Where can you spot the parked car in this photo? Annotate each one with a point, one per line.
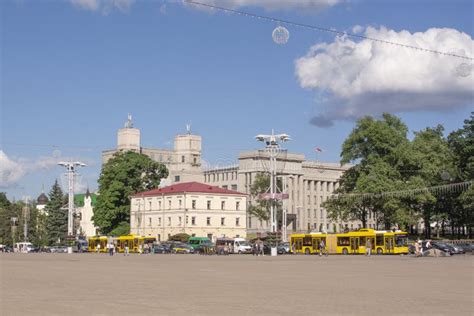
(181, 248)
(466, 247)
(283, 248)
(457, 250)
(441, 246)
(161, 248)
(58, 249)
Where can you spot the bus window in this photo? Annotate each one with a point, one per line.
(343, 241)
(307, 241)
(379, 240)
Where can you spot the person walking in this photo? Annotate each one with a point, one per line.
(368, 247)
(98, 248)
(322, 248)
(126, 250)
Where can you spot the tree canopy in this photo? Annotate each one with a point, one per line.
(125, 174)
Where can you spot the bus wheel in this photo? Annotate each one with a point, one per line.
(344, 251)
(379, 251)
(307, 251)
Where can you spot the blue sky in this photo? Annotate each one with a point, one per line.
(70, 73)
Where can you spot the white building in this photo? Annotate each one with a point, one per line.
(85, 210)
(307, 183)
(183, 161)
(193, 208)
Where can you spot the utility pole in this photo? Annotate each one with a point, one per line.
(272, 148)
(71, 172)
(26, 216)
(14, 222)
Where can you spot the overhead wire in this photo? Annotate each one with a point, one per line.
(323, 29)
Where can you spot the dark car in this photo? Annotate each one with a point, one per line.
(457, 250)
(283, 248)
(466, 247)
(442, 246)
(161, 249)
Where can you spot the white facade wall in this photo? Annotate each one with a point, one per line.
(166, 215)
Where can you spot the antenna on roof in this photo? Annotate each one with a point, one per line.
(188, 128)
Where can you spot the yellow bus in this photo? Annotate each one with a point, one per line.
(95, 241)
(306, 243)
(135, 243)
(382, 242)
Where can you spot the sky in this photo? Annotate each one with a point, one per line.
(71, 71)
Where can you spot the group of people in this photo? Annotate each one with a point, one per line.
(258, 248)
(419, 250)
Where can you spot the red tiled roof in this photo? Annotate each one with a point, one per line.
(188, 187)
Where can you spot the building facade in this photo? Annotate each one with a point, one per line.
(193, 208)
(307, 183)
(183, 161)
(84, 211)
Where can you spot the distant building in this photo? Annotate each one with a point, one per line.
(41, 202)
(193, 208)
(183, 161)
(84, 211)
(308, 184)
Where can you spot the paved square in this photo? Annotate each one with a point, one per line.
(96, 284)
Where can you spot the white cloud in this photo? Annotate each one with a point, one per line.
(10, 171)
(273, 4)
(353, 79)
(13, 170)
(104, 6)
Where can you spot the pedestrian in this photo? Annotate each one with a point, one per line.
(322, 247)
(428, 245)
(110, 248)
(420, 245)
(98, 248)
(417, 249)
(126, 250)
(368, 247)
(293, 248)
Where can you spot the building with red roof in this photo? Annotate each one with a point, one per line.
(194, 208)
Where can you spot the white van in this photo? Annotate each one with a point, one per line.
(23, 247)
(242, 246)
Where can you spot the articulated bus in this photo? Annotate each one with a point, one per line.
(383, 242)
(135, 243)
(306, 243)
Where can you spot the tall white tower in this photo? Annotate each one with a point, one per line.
(128, 137)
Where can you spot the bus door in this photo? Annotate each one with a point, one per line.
(355, 245)
(316, 244)
(389, 243)
(298, 244)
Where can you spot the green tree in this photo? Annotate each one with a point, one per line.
(125, 174)
(260, 208)
(7, 211)
(374, 145)
(56, 221)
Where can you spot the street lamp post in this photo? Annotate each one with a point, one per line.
(272, 147)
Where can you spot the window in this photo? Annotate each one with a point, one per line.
(179, 220)
(159, 237)
(234, 187)
(177, 178)
(195, 160)
(149, 221)
(237, 221)
(222, 205)
(225, 187)
(209, 236)
(250, 222)
(187, 219)
(149, 205)
(193, 204)
(208, 205)
(180, 203)
(182, 158)
(309, 213)
(208, 220)
(159, 221)
(237, 206)
(169, 204)
(322, 214)
(193, 220)
(159, 205)
(315, 214)
(169, 221)
(222, 221)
